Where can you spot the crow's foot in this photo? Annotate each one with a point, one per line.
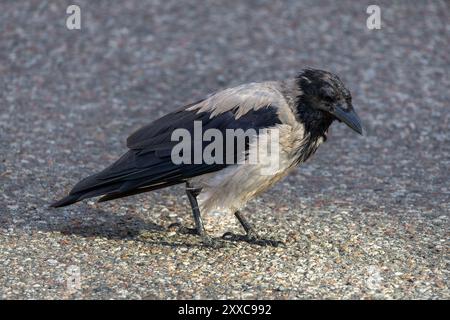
(179, 228)
(206, 240)
(212, 242)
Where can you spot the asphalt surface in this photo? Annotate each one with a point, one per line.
(366, 218)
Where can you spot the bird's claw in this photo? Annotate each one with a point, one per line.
(179, 228)
(212, 243)
(251, 238)
(206, 240)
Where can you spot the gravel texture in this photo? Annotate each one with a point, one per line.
(367, 217)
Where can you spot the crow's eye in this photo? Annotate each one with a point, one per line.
(327, 93)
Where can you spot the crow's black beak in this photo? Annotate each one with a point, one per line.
(349, 117)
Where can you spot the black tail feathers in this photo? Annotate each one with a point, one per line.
(68, 200)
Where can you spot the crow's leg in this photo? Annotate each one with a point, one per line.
(251, 235)
(199, 229)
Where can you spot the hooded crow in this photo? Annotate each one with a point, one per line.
(297, 112)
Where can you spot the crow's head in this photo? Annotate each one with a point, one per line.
(323, 94)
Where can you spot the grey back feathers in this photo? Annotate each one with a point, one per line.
(242, 99)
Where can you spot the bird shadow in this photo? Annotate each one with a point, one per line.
(89, 222)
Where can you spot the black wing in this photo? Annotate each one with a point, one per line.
(148, 165)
